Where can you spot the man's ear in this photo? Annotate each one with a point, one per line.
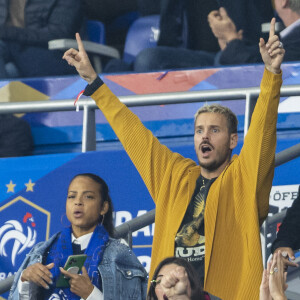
(104, 208)
(285, 3)
(233, 140)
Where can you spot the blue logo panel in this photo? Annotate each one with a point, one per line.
(22, 225)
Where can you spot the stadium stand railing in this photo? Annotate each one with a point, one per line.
(88, 105)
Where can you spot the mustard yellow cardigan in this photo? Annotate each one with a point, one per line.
(237, 202)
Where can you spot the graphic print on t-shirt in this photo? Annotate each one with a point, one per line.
(190, 239)
(189, 235)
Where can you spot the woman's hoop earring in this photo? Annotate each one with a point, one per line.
(102, 221)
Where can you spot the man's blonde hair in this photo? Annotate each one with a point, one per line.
(231, 118)
(295, 5)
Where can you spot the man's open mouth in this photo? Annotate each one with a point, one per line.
(206, 148)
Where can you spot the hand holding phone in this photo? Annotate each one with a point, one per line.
(81, 284)
(73, 265)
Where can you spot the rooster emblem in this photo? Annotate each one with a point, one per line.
(13, 230)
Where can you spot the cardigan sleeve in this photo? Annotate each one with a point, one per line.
(154, 161)
(257, 157)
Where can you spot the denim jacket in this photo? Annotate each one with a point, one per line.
(123, 276)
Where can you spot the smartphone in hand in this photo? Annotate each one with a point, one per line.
(73, 265)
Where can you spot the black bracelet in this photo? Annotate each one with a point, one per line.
(90, 89)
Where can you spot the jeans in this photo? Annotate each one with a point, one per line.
(18, 60)
(164, 58)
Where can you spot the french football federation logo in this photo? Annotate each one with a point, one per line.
(13, 230)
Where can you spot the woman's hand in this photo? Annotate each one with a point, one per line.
(38, 274)
(277, 278)
(80, 284)
(80, 60)
(264, 293)
(176, 284)
(272, 52)
(287, 254)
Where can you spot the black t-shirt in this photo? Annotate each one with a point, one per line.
(190, 239)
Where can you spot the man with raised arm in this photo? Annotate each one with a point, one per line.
(229, 195)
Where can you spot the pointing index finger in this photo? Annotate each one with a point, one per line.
(66, 273)
(272, 28)
(79, 43)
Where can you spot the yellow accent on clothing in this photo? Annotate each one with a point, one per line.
(237, 202)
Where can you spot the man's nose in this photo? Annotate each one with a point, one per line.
(205, 135)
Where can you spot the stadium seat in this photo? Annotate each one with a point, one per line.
(93, 37)
(143, 33)
(95, 31)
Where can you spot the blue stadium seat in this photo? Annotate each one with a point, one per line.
(95, 31)
(93, 36)
(143, 33)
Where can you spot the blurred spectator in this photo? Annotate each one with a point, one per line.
(183, 26)
(25, 29)
(15, 137)
(184, 23)
(240, 51)
(288, 237)
(186, 40)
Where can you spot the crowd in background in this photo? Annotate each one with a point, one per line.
(193, 34)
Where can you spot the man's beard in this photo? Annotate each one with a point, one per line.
(211, 166)
(214, 165)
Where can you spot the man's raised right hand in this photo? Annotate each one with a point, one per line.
(80, 60)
